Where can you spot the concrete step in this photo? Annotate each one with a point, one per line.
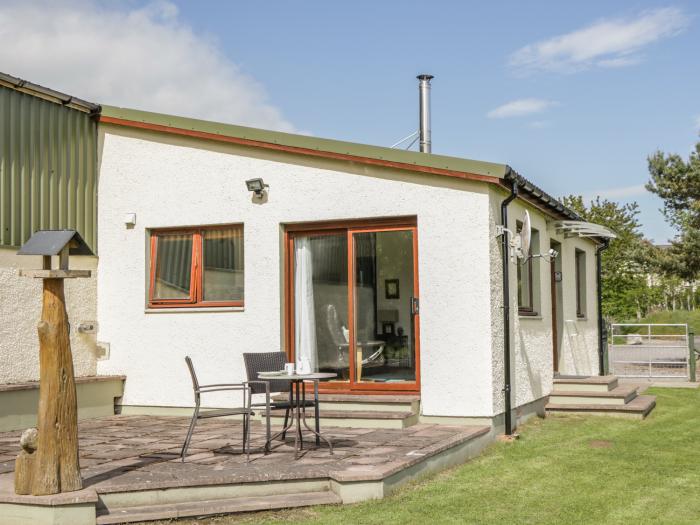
(585, 383)
(381, 403)
(355, 418)
(620, 395)
(199, 508)
(638, 408)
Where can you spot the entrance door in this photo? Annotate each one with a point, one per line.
(353, 305)
(557, 312)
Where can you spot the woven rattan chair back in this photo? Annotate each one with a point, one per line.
(257, 362)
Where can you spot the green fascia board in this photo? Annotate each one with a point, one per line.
(308, 142)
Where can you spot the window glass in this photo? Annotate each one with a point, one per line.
(525, 278)
(197, 267)
(524, 285)
(223, 264)
(580, 283)
(173, 270)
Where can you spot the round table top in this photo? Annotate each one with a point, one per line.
(299, 377)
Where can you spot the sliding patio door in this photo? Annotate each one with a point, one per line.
(353, 305)
(320, 300)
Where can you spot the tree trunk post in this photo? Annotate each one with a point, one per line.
(56, 464)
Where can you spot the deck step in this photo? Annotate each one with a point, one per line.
(199, 508)
(639, 408)
(356, 418)
(620, 395)
(585, 383)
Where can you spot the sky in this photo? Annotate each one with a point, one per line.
(574, 96)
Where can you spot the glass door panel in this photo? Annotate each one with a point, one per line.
(385, 305)
(320, 302)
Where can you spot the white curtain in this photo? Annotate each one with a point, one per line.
(305, 316)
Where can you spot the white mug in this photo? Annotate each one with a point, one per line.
(289, 368)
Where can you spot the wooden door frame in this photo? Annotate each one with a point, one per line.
(350, 227)
(555, 334)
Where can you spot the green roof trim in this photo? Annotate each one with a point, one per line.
(422, 161)
(428, 160)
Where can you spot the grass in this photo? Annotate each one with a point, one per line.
(565, 470)
(689, 317)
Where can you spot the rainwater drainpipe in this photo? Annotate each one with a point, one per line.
(506, 306)
(602, 336)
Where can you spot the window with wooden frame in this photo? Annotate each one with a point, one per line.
(580, 271)
(196, 267)
(528, 277)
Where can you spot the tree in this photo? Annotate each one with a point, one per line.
(628, 260)
(677, 183)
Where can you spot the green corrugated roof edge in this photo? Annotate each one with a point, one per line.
(477, 167)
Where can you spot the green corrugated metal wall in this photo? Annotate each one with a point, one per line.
(48, 168)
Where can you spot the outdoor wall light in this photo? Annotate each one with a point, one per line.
(257, 186)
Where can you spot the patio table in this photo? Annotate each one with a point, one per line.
(299, 407)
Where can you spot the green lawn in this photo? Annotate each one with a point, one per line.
(573, 470)
(689, 317)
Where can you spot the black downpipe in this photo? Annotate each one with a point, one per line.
(506, 308)
(602, 336)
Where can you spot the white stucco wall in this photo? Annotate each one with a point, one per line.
(532, 336)
(20, 311)
(170, 181)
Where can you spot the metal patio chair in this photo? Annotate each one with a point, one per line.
(375, 358)
(244, 410)
(257, 362)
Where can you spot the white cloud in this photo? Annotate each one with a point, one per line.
(143, 58)
(624, 192)
(539, 124)
(606, 43)
(611, 63)
(521, 108)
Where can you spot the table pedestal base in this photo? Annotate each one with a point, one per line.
(299, 418)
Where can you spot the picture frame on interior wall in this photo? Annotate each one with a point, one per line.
(391, 289)
(388, 328)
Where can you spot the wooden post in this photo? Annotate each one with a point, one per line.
(56, 463)
(51, 465)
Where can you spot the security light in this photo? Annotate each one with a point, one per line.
(257, 186)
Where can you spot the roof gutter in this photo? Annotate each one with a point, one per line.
(506, 305)
(321, 153)
(551, 204)
(48, 94)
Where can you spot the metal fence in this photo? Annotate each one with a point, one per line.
(650, 351)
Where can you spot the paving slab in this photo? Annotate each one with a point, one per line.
(130, 453)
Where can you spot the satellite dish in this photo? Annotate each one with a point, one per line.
(525, 236)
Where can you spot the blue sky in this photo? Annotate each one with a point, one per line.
(572, 95)
(347, 71)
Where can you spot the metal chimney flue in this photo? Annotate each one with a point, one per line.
(424, 101)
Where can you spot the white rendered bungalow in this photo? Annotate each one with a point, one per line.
(382, 266)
